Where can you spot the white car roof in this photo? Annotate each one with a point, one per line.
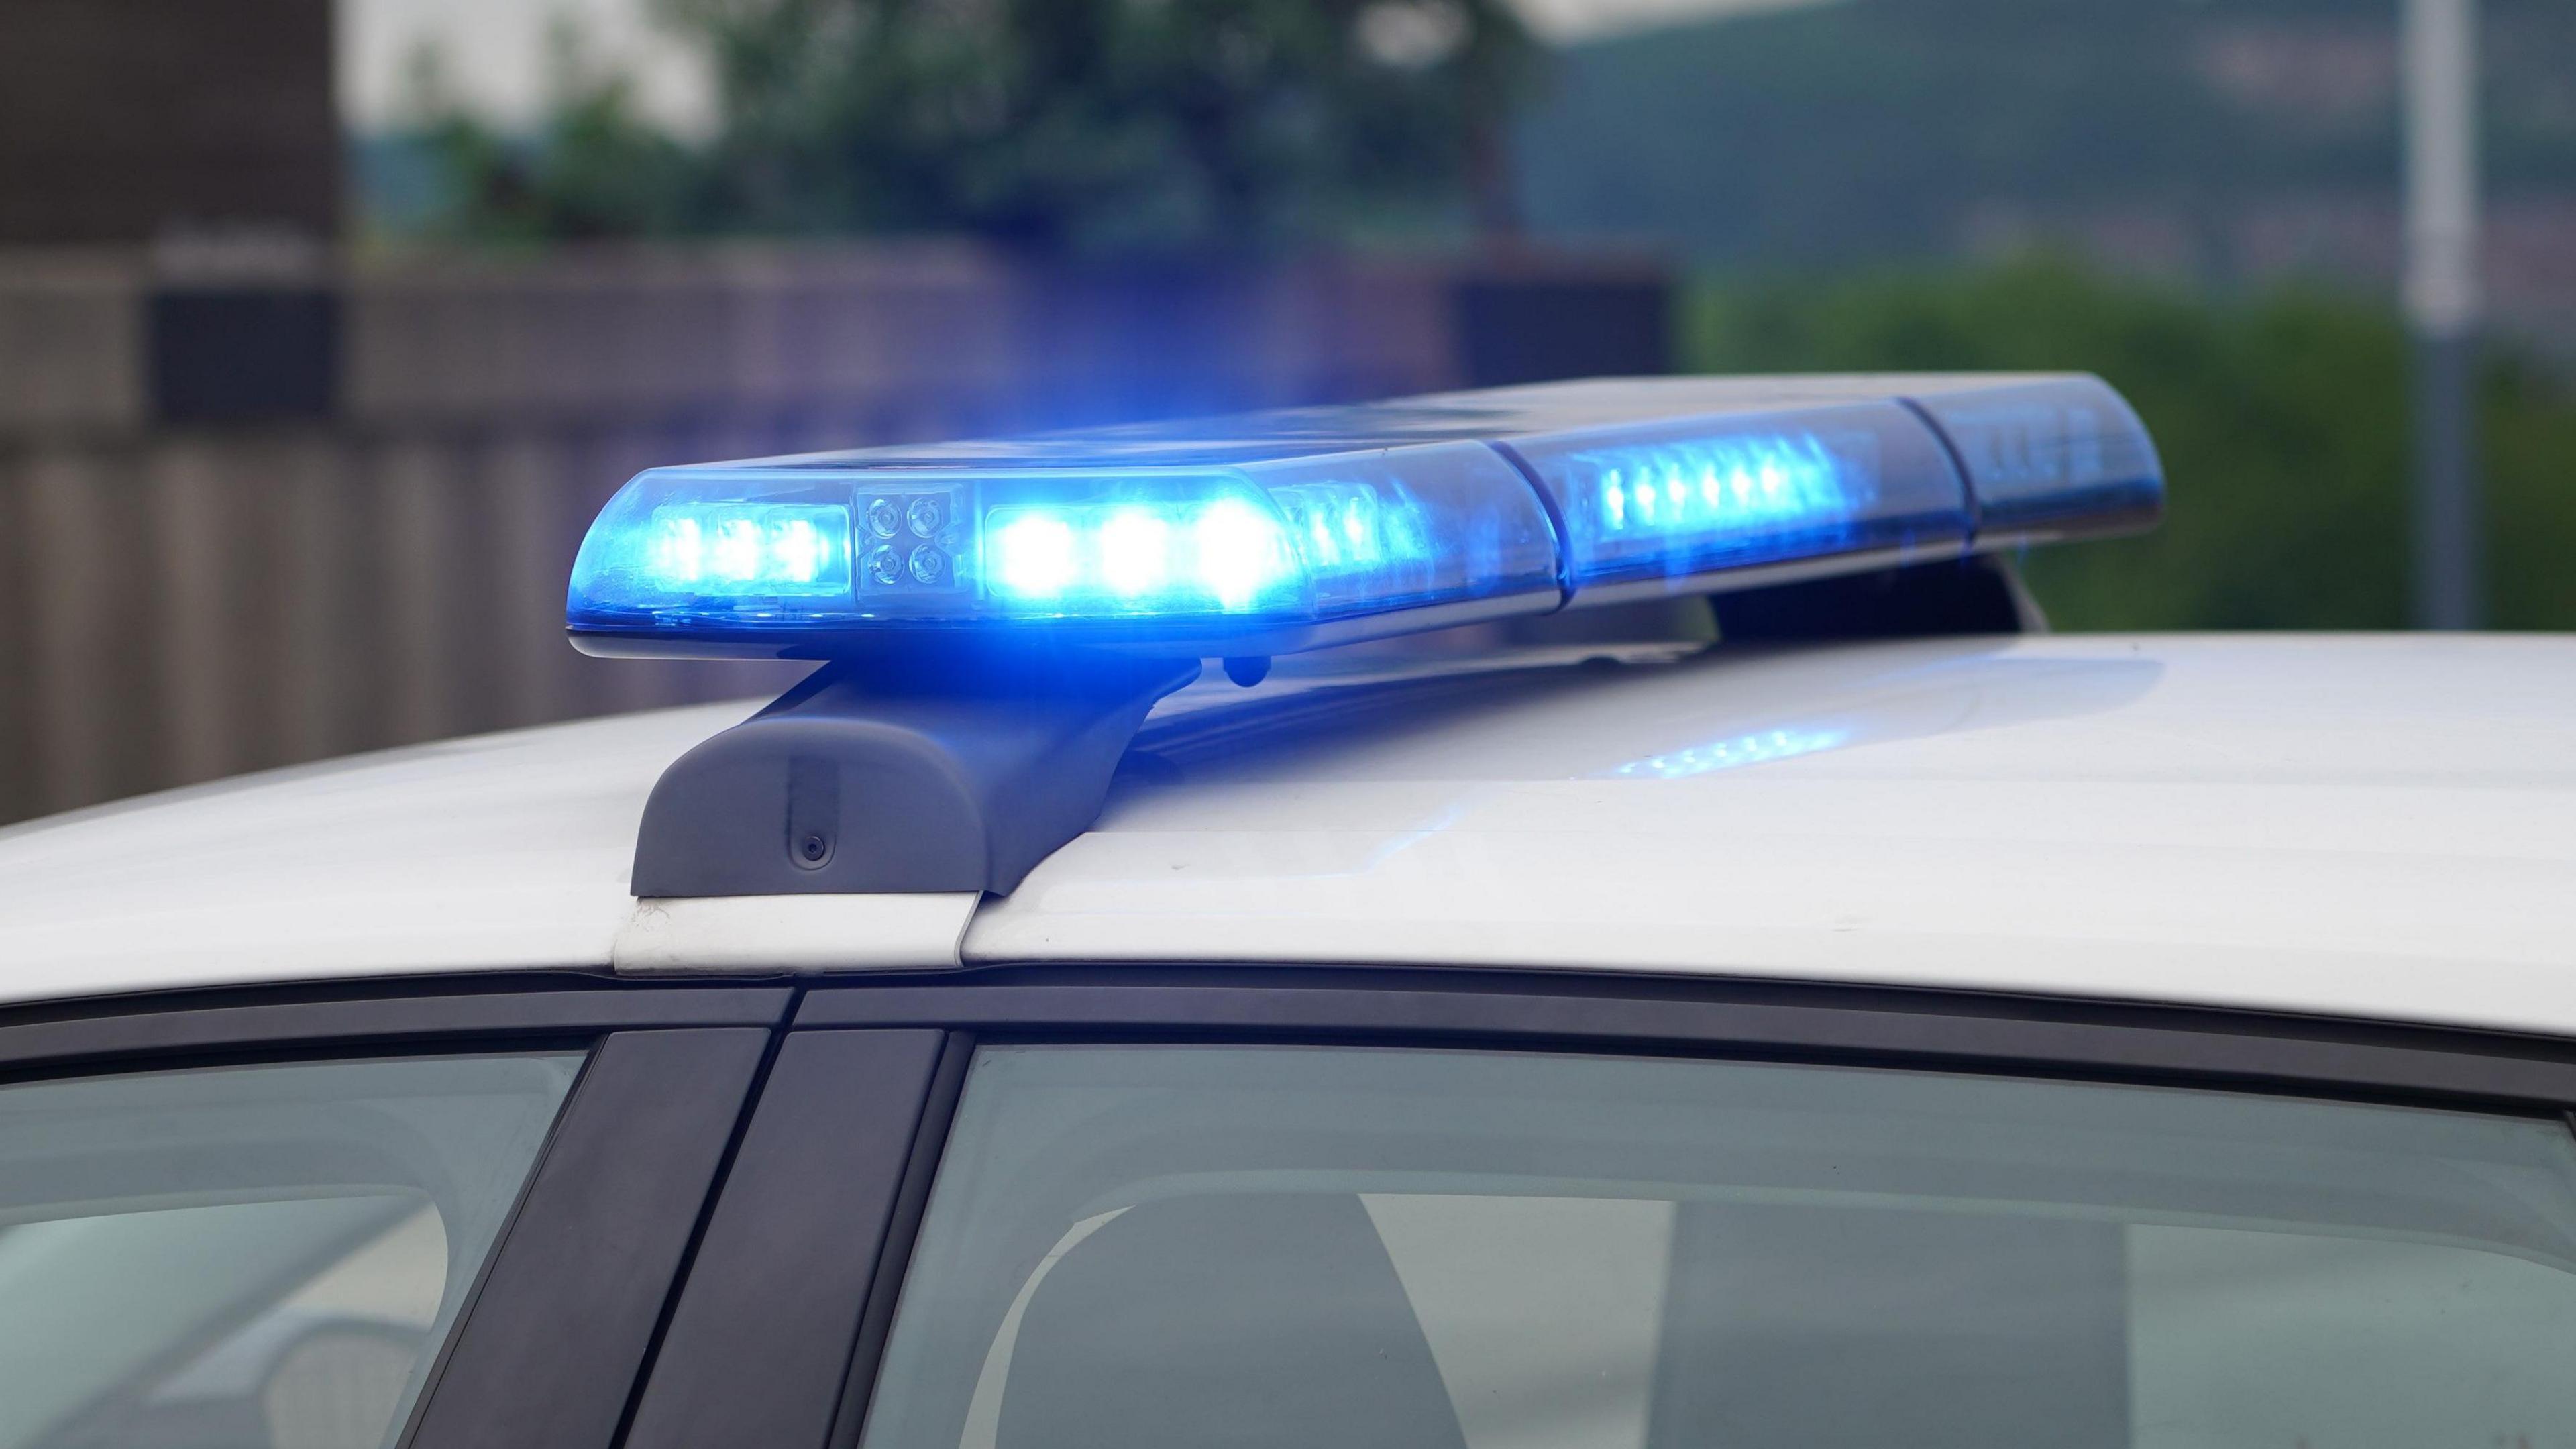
(2381, 827)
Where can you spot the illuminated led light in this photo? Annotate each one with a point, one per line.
(1034, 555)
(734, 556)
(680, 549)
(1135, 552)
(1742, 482)
(731, 550)
(1225, 556)
(797, 550)
(1663, 502)
(1241, 553)
(1350, 530)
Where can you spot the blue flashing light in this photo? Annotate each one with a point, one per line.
(1294, 530)
(1677, 492)
(1225, 555)
(1683, 499)
(753, 550)
(1276, 548)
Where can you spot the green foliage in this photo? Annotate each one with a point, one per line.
(1084, 125)
(595, 170)
(2281, 419)
(1100, 124)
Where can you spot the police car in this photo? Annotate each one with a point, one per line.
(1576, 917)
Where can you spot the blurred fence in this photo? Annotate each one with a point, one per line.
(251, 522)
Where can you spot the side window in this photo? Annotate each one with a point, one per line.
(1166, 1247)
(254, 1257)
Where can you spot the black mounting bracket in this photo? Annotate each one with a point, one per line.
(1979, 594)
(907, 773)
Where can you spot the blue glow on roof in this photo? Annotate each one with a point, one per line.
(1729, 754)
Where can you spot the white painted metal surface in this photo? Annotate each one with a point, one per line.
(2377, 826)
(793, 933)
(2382, 827)
(510, 850)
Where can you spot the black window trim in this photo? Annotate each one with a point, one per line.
(1730, 1016)
(138, 1031)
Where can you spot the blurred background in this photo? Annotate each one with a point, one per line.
(325, 325)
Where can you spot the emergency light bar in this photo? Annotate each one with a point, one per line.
(1275, 532)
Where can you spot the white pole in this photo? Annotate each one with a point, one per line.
(2441, 300)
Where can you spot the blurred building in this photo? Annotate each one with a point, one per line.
(137, 120)
(217, 558)
(266, 498)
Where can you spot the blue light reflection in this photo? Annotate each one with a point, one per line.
(1734, 753)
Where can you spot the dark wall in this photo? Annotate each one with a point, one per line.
(124, 120)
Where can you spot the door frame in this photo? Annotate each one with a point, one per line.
(839, 1275)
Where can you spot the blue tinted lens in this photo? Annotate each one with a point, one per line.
(818, 547)
(2044, 455)
(1300, 528)
(1669, 500)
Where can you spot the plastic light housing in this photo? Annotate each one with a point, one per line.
(1667, 505)
(1264, 555)
(1275, 532)
(2055, 455)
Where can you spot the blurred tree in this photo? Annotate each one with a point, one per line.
(1085, 125)
(2281, 419)
(1105, 124)
(595, 169)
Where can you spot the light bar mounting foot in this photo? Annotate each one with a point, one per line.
(954, 773)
